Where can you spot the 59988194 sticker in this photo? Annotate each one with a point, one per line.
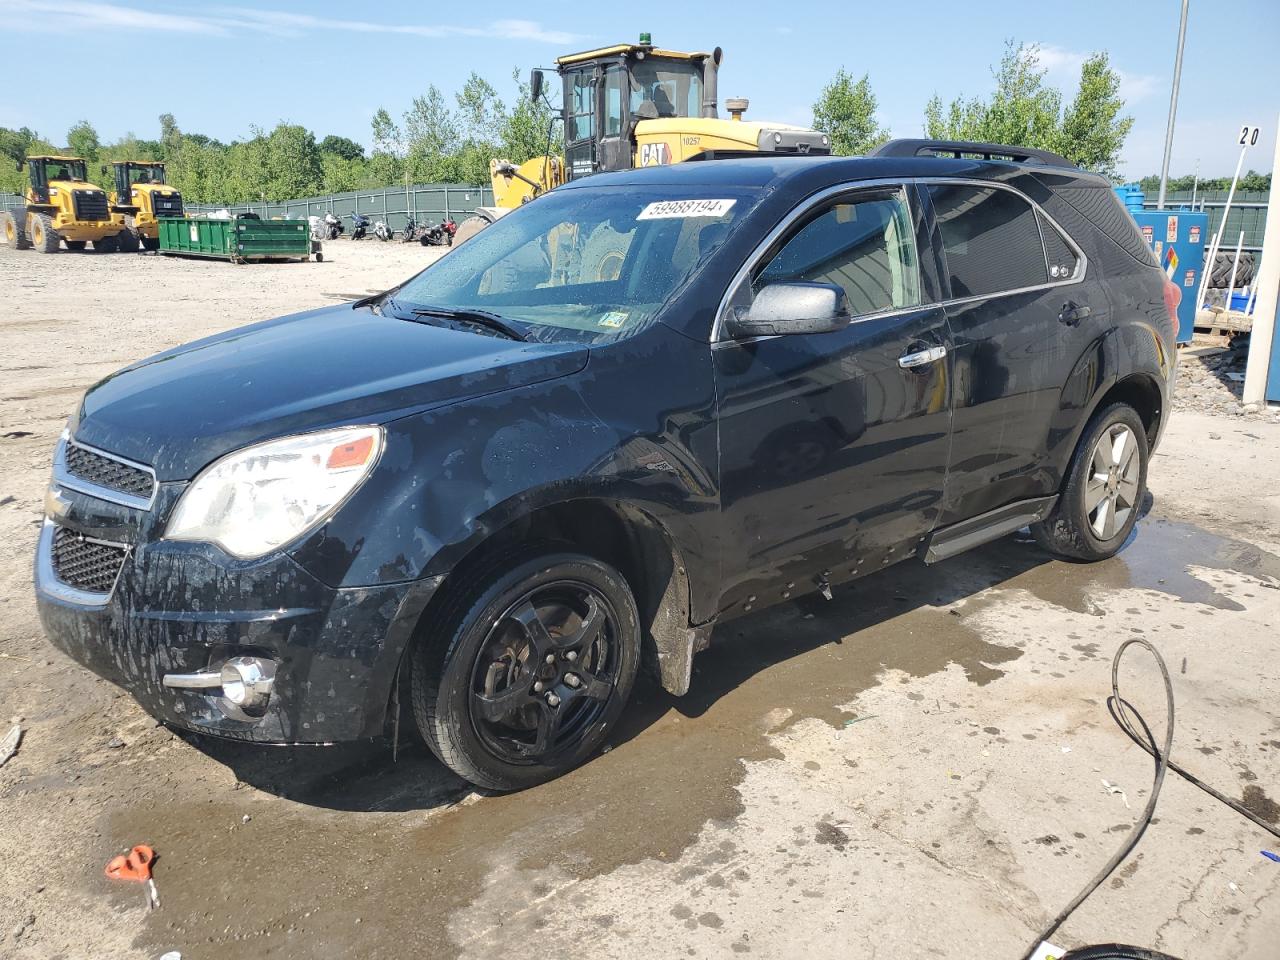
(680, 209)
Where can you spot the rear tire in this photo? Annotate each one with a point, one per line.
(129, 239)
(527, 668)
(13, 227)
(1103, 489)
(43, 237)
(107, 244)
(151, 243)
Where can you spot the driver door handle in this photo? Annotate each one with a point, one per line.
(920, 358)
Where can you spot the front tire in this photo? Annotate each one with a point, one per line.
(531, 668)
(43, 237)
(1105, 484)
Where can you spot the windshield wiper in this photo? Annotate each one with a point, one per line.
(481, 318)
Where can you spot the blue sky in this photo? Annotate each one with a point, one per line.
(329, 65)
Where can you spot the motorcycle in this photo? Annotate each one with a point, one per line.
(382, 231)
(439, 234)
(410, 231)
(330, 226)
(359, 226)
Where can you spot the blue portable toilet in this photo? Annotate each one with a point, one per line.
(1177, 236)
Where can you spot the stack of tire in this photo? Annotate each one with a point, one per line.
(1220, 275)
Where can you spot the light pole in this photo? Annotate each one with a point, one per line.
(1173, 106)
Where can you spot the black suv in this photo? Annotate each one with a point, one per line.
(637, 407)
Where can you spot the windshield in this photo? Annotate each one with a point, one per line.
(674, 87)
(583, 264)
(65, 170)
(146, 174)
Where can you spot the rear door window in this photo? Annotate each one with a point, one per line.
(991, 239)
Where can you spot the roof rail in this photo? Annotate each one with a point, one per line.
(966, 148)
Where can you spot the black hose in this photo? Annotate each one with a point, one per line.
(1121, 711)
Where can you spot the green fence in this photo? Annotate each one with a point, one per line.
(394, 205)
(423, 201)
(1248, 213)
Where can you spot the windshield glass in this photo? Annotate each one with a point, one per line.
(583, 264)
(674, 87)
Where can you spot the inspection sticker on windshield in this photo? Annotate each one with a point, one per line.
(613, 319)
(679, 209)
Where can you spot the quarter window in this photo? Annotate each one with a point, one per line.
(1063, 262)
(864, 245)
(991, 239)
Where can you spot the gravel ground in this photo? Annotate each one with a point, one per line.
(913, 769)
(1211, 380)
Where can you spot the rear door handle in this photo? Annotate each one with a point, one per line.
(920, 358)
(1072, 313)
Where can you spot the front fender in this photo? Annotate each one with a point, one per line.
(452, 476)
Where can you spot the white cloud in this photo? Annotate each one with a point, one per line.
(35, 16)
(1064, 72)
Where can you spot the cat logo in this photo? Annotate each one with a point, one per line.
(654, 154)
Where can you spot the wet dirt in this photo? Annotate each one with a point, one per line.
(392, 851)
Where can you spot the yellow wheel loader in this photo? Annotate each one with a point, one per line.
(140, 198)
(61, 205)
(635, 105)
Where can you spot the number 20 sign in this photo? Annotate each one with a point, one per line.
(1248, 136)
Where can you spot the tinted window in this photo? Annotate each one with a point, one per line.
(865, 246)
(991, 239)
(1063, 262)
(580, 93)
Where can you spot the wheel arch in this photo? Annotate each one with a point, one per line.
(620, 533)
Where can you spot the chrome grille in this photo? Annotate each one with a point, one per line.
(106, 472)
(88, 565)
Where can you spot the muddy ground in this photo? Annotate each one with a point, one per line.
(913, 769)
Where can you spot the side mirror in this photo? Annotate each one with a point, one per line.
(535, 85)
(796, 307)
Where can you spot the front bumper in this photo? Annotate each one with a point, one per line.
(181, 608)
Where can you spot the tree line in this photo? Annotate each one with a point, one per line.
(435, 141)
(451, 140)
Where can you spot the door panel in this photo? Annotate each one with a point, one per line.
(1013, 351)
(831, 451)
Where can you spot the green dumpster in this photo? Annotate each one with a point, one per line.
(238, 240)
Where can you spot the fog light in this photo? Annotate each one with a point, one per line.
(247, 681)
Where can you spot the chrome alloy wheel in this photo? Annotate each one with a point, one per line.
(1111, 492)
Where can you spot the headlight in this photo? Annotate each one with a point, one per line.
(260, 498)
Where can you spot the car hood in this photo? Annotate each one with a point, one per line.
(184, 408)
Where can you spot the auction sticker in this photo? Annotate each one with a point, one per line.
(680, 209)
(614, 319)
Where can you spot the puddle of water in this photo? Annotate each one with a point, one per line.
(376, 859)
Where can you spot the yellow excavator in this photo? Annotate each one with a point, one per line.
(61, 205)
(636, 105)
(140, 198)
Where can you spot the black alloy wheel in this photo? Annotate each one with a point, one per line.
(536, 671)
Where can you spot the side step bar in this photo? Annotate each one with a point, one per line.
(986, 527)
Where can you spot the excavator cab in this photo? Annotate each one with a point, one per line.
(140, 198)
(635, 105)
(608, 92)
